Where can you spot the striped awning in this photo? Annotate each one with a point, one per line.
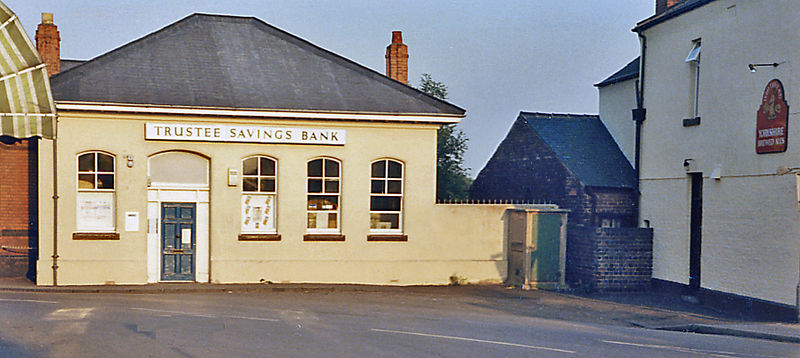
(26, 103)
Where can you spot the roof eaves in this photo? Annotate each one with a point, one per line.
(631, 70)
(678, 10)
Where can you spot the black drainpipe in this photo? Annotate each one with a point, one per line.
(639, 115)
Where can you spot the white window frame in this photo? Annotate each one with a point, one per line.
(260, 193)
(694, 58)
(386, 179)
(81, 192)
(338, 194)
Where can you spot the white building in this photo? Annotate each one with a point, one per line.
(726, 224)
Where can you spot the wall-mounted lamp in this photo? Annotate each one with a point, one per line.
(129, 159)
(753, 66)
(782, 170)
(687, 164)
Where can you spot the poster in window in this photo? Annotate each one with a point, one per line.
(95, 211)
(258, 213)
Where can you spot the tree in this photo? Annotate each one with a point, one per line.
(452, 181)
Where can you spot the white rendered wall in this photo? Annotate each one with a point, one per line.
(751, 223)
(616, 102)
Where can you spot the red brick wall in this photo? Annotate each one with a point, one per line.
(18, 205)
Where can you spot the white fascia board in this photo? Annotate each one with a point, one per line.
(262, 113)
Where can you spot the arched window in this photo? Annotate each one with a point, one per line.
(323, 204)
(96, 182)
(386, 197)
(259, 191)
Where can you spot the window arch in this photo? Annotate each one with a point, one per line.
(177, 168)
(96, 183)
(259, 194)
(323, 177)
(386, 196)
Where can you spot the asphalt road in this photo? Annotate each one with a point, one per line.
(326, 324)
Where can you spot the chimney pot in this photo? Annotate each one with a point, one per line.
(397, 37)
(47, 18)
(397, 58)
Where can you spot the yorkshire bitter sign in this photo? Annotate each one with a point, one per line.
(244, 134)
(772, 120)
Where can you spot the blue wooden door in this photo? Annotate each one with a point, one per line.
(177, 241)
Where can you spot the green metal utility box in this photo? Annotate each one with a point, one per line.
(537, 247)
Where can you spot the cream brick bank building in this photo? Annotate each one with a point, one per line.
(721, 87)
(222, 149)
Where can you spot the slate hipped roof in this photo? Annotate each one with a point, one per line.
(584, 146)
(631, 70)
(240, 62)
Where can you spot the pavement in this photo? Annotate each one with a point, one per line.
(657, 310)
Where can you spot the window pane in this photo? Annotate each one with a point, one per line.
(105, 181)
(86, 162)
(267, 167)
(315, 168)
(384, 203)
(379, 169)
(267, 185)
(331, 168)
(250, 166)
(395, 169)
(323, 202)
(395, 187)
(250, 184)
(332, 224)
(377, 187)
(105, 163)
(312, 220)
(314, 185)
(86, 181)
(384, 221)
(331, 186)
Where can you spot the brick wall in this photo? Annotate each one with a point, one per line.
(18, 206)
(611, 259)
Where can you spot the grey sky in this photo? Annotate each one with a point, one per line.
(496, 57)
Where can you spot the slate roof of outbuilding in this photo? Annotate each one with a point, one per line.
(241, 62)
(631, 70)
(584, 146)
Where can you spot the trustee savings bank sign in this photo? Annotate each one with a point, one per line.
(244, 134)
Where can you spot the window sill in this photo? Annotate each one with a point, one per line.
(95, 236)
(259, 237)
(323, 237)
(387, 237)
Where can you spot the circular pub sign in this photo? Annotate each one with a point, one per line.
(772, 120)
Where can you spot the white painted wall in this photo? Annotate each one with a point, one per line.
(616, 102)
(751, 223)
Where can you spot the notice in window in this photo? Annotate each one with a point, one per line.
(95, 211)
(258, 213)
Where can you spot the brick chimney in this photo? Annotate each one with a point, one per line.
(397, 58)
(48, 43)
(664, 5)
